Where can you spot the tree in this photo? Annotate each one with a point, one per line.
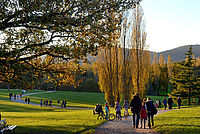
(66, 30)
(170, 71)
(187, 80)
(156, 73)
(107, 66)
(140, 56)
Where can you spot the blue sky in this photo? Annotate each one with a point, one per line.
(171, 23)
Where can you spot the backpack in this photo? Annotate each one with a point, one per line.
(154, 110)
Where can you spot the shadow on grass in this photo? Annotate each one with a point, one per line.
(180, 129)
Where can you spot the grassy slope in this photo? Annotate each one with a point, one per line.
(74, 99)
(181, 121)
(35, 119)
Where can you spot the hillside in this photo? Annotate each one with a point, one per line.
(178, 54)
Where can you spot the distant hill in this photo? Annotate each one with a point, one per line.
(178, 54)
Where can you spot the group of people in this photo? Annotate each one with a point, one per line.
(46, 103)
(27, 100)
(14, 95)
(49, 103)
(144, 110)
(141, 110)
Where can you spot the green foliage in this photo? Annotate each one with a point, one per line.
(186, 80)
(64, 30)
(180, 121)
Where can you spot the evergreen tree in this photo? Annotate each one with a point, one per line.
(186, 81)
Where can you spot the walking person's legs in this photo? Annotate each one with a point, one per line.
(133, 119)
(137, 120)
(141, 123)
(152, 121)
(144, 123)
(148, 117)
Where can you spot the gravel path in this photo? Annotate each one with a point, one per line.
(124, 127)
(19, 100)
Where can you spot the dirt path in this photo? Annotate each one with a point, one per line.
(20, 100)
(124, 127)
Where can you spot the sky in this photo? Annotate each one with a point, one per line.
(171, 23)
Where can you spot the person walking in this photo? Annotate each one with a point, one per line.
(47, 102)
(65, 103)
(143, 114)
(179, 102)
(41, 102)
(62, 103)
(126, 107)
(50, 103)
(107, 110)
(156, 104)
(10, 95)
(58, 101)
(26, 100)
(118, 111)
(149, 104)
(170, 102)
(29, 100)
(165, 103)
(15, 96)
(44, 102)
(159, 104)
(136, 105)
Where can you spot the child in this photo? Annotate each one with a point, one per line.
(143, 114)
(125, 106)
(118, 111)
(106, 110)
(156, 104)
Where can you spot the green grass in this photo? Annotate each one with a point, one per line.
(181, 121)
(35, 119)
(74, 99)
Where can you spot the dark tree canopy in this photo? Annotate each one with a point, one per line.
(63, 29)
(187, 78)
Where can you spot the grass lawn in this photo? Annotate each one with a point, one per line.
(181, 121)
(35, 119)
(74, 99)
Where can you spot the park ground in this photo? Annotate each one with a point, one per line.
(36, 119)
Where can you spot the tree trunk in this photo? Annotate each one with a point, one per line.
(189, 98)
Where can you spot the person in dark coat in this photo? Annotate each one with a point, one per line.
(29, 100)
(159, 104)
(165, 103)
(179, 102)
(136, 106)
(65, 103)
(10, 94)
(26, 100)
(149, 105)
(50, 103)
(170, 101)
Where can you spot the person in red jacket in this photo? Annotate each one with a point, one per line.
(143, 114)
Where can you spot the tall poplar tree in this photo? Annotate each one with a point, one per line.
(140, 55)
(108, 67)
(156, 73)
